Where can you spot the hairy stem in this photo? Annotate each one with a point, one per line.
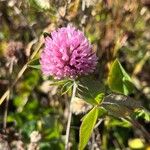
(69, 118)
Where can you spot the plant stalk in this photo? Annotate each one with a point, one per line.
(137, 125)
(8, 95)
(70, 117)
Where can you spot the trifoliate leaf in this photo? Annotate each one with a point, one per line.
(119, 80)
(120, 105)
(90, 90)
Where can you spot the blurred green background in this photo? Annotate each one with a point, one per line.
(36, 110)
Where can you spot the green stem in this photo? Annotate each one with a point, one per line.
(69, 118)
(137, 125)
(105, 135)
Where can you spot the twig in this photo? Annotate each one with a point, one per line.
(4, 96)
(69, 118)
(6, 112)
(8, 96)
(137, 125)
(93, 141)
(99, 122)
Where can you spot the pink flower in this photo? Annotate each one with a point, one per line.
(67, 53)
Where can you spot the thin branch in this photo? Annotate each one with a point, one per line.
(4, 96)
(8, 96)
(6, 111)
(93, 141)
(98, 123)
(137, 125)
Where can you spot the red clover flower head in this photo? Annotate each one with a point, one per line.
(67, 53)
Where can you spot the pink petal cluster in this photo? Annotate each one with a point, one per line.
(67, 53)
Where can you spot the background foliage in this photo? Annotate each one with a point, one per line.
(37, 112)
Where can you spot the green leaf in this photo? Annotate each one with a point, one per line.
(101, 112)
(113, 122)
(143, 114)
(87, 127)
(119, 80)
(35, 66)
(90, 90)
(66, 87)
(28, 128)
(99, 98)
(60, 82)
(120, 105)
(21, 100)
